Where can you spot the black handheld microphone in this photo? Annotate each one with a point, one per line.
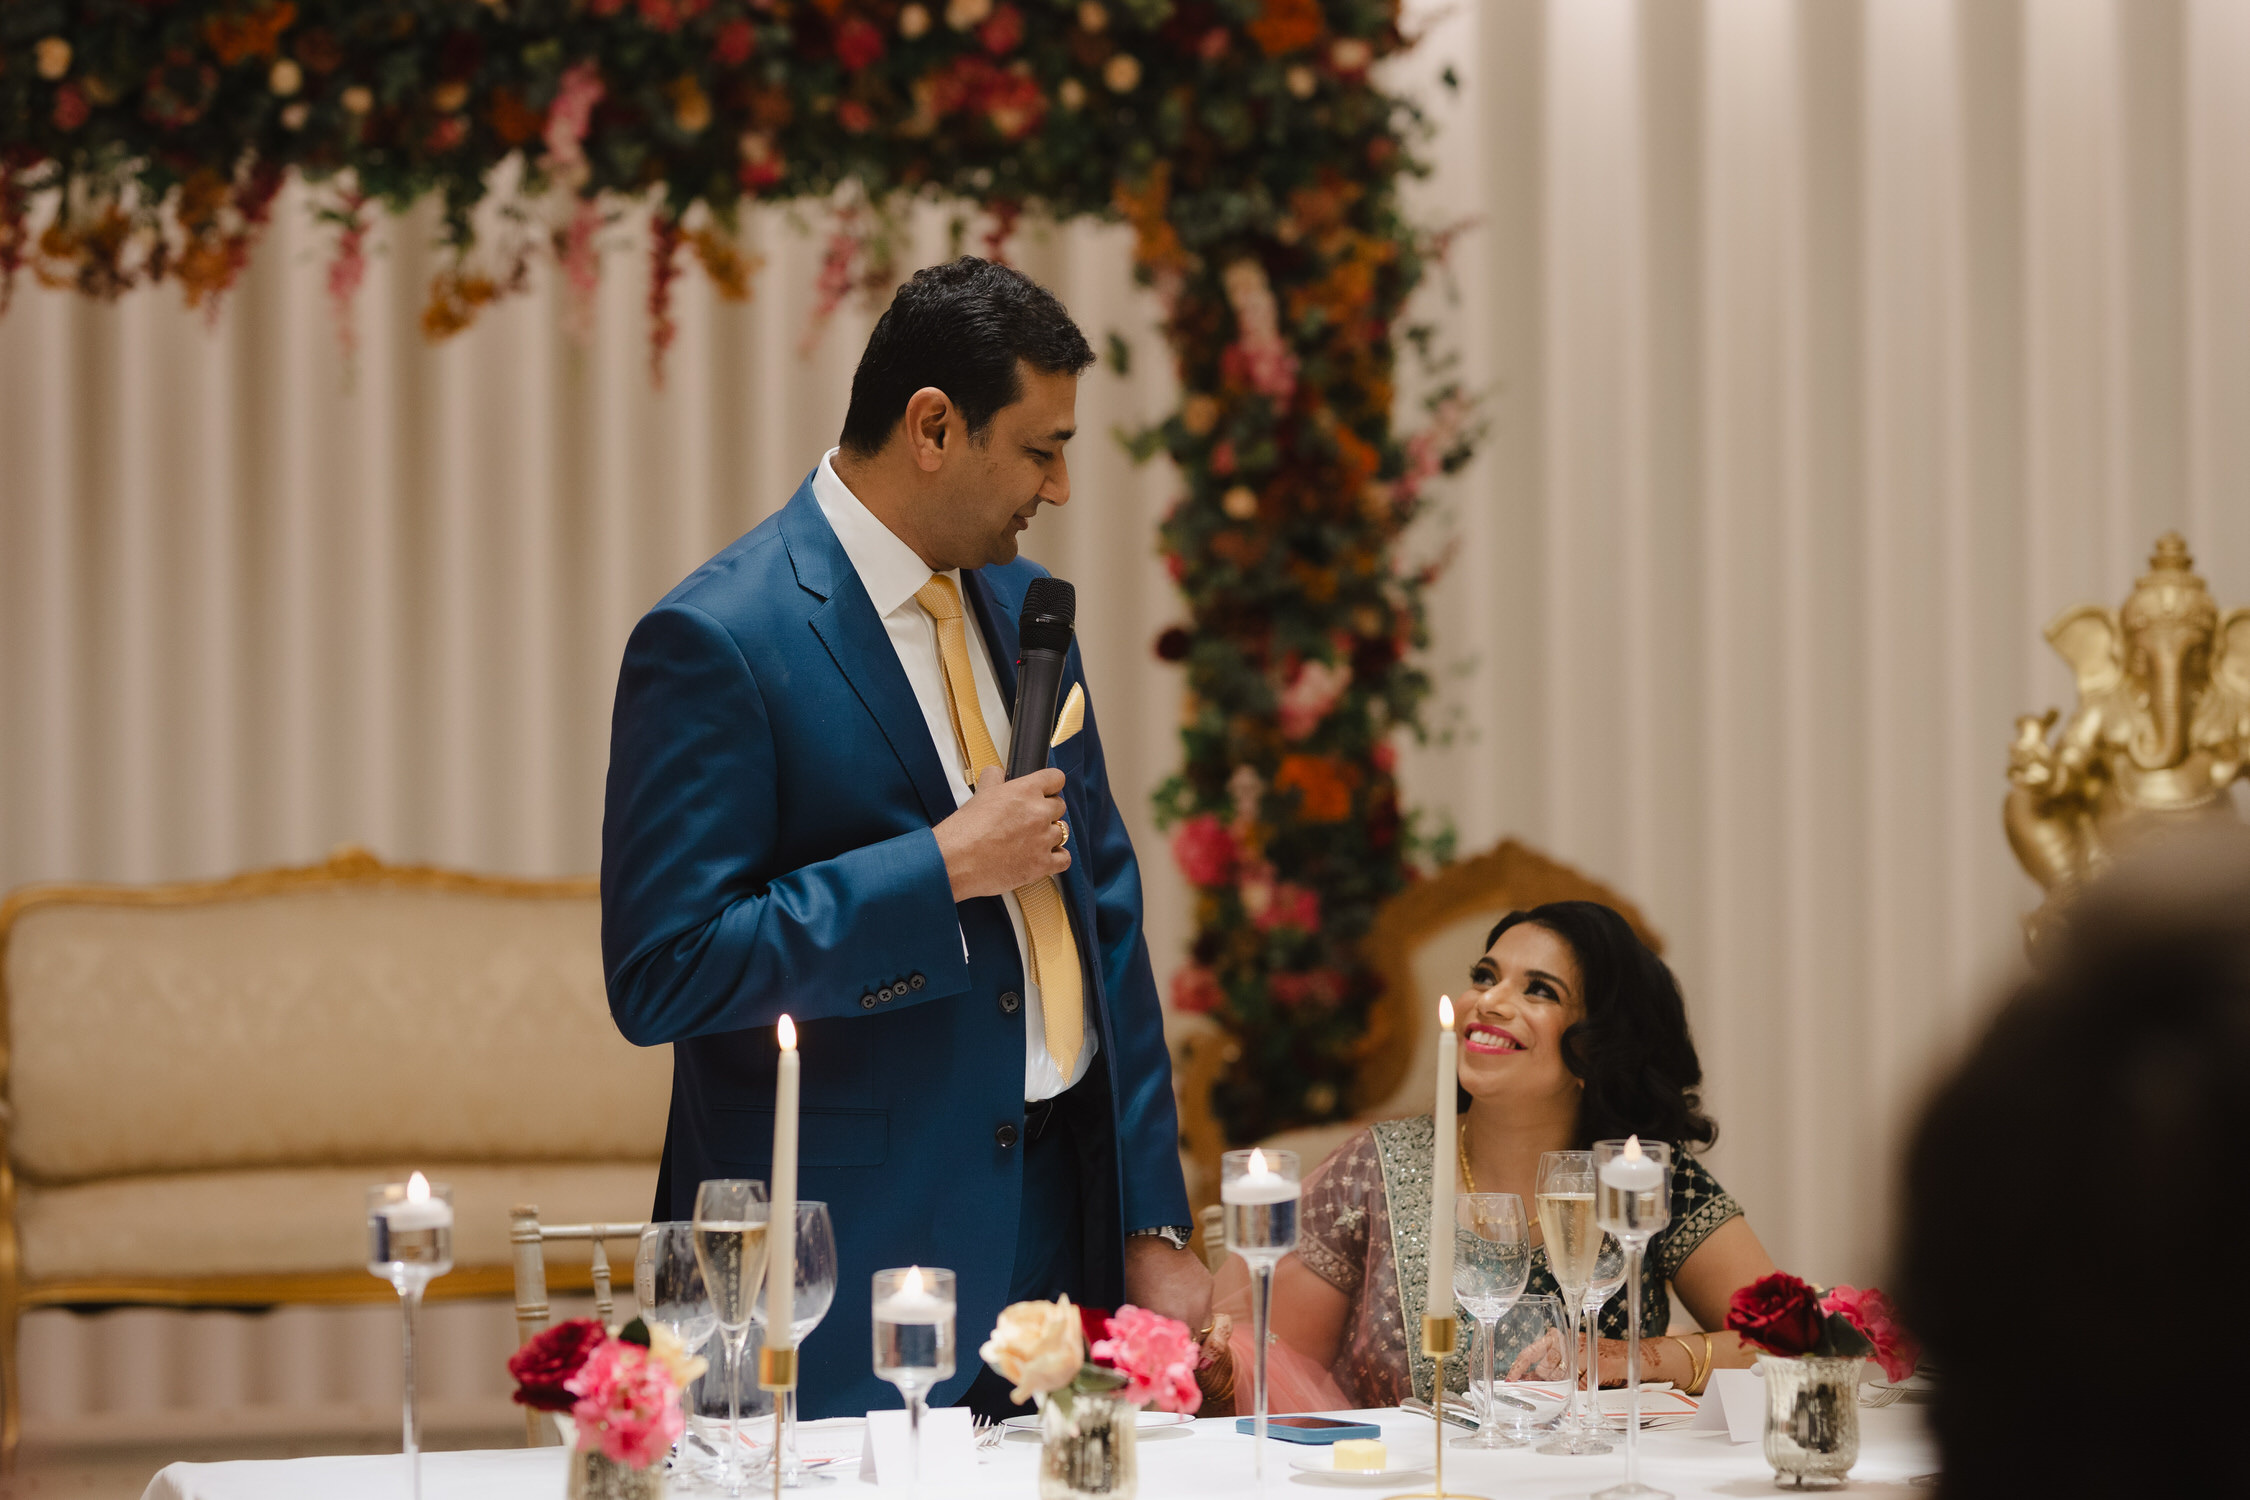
(1050, 609)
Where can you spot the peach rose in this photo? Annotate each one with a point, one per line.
(1037, 1346)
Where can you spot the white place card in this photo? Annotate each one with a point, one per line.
(1735, 1400)
(949, 1448)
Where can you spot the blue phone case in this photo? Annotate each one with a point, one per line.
(1314, 1435)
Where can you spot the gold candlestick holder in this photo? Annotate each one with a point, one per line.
(1441, 1337)
(777, 1372)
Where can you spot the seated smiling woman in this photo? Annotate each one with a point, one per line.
(1572, 1031)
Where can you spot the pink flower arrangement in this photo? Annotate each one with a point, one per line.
(1872, 1314)
(1156, 1355)
(1205, 850)
(1260, 357)
(567, 121)
(622, 1390)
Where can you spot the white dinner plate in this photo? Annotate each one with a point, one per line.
(1148, 1419)
(1400, 1463)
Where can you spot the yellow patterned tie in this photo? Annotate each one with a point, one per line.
(1054, 954)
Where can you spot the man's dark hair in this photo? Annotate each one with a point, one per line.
(960, 327)
(2098, 1120)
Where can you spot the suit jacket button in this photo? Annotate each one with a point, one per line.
(884, 994)
(914, 983)
(1006, 1136)
(867, 1001)
(1010, 1001)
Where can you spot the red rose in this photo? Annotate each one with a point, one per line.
(1779, 1314)
(1195, 990)
(734, 42)
(1094, 1323)
(71, 108)
(855, 117)
(1001, 34)
(1205, 850)
(858, 43)
(543, 1365)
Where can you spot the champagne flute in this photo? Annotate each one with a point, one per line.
(409, 1245)
(668, 1283)
(730, 1246)
(914, 1312)
(1491, 1263)
(1566, 1216)
(815, 1283)
(1609, 1275)
(1634, 1202)
(1259, 1192)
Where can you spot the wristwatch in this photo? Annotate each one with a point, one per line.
(1175, 1235)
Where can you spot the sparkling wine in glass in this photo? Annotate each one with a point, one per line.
(815, 1283)
(1634, 1202)
(914, 1315)
(1259, 1194)
(1491, 1263)
(409, 1245)
(668, 1283)
(1609, 1275)
(1566, 1218)
(730, 1246)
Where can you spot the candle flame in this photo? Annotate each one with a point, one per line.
(788, 1030)
(912, 1285)
(1257, 1161)
(417, 1189)
(1445, 1011)
(1632, 1150)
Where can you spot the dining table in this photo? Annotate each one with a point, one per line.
(1206, 1459)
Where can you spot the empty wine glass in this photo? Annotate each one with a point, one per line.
(730, 1246)
(1491, 1262)
(1566, 1216)
(668, 1283)
(815, 1291)
(1528, 1347)
(1635, 1203)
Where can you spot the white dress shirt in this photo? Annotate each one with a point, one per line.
(892, 573)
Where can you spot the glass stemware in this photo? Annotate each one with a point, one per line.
(1259, 1194)
(409, 1245)
(1633, 1202)
(668, 1283)
(1566, 1217)
(730, 1246)
(1491, 1263)
(815, 1282)
(913, 1322)
(1609, 1275)
(1531, 1334)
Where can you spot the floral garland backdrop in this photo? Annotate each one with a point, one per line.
(145, 141)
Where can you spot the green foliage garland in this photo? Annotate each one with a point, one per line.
(145, 141)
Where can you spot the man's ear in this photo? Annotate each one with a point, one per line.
(929, 416)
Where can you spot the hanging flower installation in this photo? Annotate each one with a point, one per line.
(1244, 142)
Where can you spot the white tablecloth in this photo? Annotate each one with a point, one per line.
(1209, 1459)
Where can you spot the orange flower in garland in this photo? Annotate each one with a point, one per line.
(235, 38)
(1323, 784)
(1288, 26)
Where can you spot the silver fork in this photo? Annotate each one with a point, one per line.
(989, 1433)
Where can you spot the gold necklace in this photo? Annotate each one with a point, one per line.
(1468, 1178)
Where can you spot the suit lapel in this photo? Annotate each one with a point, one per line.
(846, 623)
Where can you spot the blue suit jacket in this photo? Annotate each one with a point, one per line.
(767, 847)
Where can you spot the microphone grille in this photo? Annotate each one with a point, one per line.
(1050, 610)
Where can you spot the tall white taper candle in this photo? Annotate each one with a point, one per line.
(781, 1227)
(1439, 1303)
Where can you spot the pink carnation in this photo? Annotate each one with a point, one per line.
(1206, 851)
(1872, 1314)
(628, 1405)
(1157, 1357)
(1290, 905)
(1311, 694)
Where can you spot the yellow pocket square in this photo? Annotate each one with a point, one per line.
(1072, 718)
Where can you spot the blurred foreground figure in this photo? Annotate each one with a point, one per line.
(2060, 1179)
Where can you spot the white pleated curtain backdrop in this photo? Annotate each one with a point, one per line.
(1831, 347)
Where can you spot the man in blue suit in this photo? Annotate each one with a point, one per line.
(796, 823)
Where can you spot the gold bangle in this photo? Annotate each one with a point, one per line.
(1703, 1371)
(1689, 1350)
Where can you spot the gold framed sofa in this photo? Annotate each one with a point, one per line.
(202, 1079)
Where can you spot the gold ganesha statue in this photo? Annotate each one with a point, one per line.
(2160, 733)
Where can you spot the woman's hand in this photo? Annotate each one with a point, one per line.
(1541, 1359)
(1214, 1372)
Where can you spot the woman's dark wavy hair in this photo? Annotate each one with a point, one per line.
(1632, 1047)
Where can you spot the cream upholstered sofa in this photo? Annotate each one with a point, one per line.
(202, 1080)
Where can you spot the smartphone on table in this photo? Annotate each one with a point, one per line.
(1309, 1429)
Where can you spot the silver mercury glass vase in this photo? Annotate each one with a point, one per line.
(1086, 1447)
(1812, 1418)
(597, 1476)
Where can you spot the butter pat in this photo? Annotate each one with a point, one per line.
(1358, 1455)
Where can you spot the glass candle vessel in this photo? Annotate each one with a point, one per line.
(1632, 1200)
(914, 1339)
(1259, 1194)
(409, 1245)
(1812, 1417)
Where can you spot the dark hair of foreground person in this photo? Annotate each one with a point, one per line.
(2078, 1191)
